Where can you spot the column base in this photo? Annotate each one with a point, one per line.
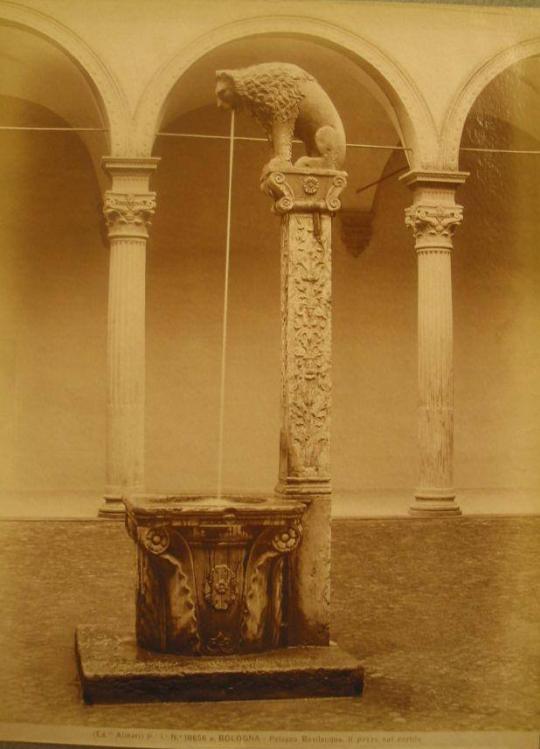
(113, 669)
(303, 487)
(435, 503)
(112, 507)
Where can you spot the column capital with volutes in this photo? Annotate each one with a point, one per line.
(128, 214)
(129, 205)
(304, 190)
(433, 226)
(434, 214)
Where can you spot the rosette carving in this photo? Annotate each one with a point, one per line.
(156, 539)
(287, 540)
(311, 185)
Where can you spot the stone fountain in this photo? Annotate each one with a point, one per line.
(233, 592)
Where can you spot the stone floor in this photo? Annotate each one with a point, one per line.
(442, 613)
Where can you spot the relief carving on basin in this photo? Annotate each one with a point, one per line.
(212, 573)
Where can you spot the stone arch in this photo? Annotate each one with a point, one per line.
(412, 112)
(108, 92)
(462, 103)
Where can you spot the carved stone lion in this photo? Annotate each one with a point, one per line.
(287, 102)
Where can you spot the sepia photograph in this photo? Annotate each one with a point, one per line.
(270, 374)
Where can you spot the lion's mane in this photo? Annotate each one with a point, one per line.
(270, 91)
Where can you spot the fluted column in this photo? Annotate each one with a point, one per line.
(433, 217)
(128, 208)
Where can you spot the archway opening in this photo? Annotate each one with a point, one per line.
(54, 264)
(497, 287)
(373, 278)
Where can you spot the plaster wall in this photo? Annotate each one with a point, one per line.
(497, 318)
(53, 272)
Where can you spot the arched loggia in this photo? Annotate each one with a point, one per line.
(108, 93)
(404, 101)
(454, 122)
(497, 273)
(60, 116)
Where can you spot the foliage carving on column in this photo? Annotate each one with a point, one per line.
(309, 384)
(433, 221)
(306, 199)
(123, 209)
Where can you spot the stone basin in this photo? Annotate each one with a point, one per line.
(213, 573)
(173, 507)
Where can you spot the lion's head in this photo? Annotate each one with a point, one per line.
(271, 91)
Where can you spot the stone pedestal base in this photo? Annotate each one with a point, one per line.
(112, 507)
(435, 507)
(113, 669)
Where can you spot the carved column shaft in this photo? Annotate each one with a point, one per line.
(433, 218)
(128, 208)
(306, 354)
(306, 200)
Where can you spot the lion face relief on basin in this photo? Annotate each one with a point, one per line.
(287, 102)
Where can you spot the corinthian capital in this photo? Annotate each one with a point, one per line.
(434, 222)
(130, 212)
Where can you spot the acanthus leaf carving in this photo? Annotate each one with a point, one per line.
(166, 574)
(122, 209)
(307, 322)
(437, 221)
(260, 597)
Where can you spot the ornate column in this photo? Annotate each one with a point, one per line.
(433, 217)
(306, 199)
(128, 208)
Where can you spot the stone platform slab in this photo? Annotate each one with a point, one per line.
(114, 669)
